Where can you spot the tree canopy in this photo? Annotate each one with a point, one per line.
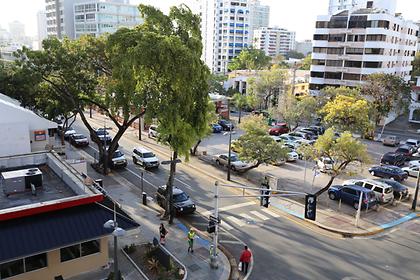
(296, 111)
(250, 59)
(416, 66)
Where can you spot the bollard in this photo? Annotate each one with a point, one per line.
(144, 196)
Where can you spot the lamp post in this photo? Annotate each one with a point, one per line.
(117, 232)
(414, 205)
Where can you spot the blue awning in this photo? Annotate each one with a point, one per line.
(52, 230)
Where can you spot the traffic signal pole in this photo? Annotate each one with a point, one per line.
(213, 258)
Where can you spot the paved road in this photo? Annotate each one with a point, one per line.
(284, 249)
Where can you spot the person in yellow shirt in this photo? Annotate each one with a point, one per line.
(190, 237)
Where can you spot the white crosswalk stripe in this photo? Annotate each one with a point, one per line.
(226, 225)
(236, 221)
(246, 216)
(270, 213)
(230, 207)
(259, 215)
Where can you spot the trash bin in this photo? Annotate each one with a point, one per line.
(144, 198)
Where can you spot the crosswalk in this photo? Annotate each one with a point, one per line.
(247, 218)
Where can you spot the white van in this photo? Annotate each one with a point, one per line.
(384, 193)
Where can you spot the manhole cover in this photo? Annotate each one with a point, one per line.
(194, 267)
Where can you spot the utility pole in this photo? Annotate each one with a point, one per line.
(140, 126)
(213, 257)
(105, 151)
(414, 205)
(229, 153)
(116, 270)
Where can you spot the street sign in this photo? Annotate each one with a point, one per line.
(169, 161)
(310, 207)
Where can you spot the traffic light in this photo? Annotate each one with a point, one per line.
(265, 200)
(211, 227)
(310, 207)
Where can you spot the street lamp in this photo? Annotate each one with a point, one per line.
(117, 232)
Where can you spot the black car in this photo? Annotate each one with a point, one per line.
(78, 140)
(389, 172)
(226, 125)
(395, 159)
(182, 202)
(400, 191)
(103, 135)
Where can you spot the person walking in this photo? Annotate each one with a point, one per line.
(191, 236)
(245, 259)
(162, 233)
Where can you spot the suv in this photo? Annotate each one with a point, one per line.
(181, 201)
(118, 160)
(391, 158)
(350, 194)
(153, 131)
(226, 125)
(383, 192)
(400, 191)
(391, 140)
(145, 158)
(103, 135)
(324, 164)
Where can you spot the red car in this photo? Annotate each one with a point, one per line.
(278, 129)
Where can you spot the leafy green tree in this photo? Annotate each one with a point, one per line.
(386, 92)
(296, 111)
(256, 146)
(416, 66)
(167, 61)
(328, 94)
(306, 63)
(216, 84)
(347, 154)
(347, 113)
(241, 101)
(294, 54)
(280, 61)
(250, 59)
(267, 85)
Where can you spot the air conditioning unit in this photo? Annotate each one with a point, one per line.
(18, 181)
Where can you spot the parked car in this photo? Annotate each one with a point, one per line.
(392, 158)
(118, 160)
(216, 128)
(297, 138)
(350, 194)
(312, 134)
(388, 172)
(412, 170)
(145, 158)
(324, 164)
(291, 154)
(413, 142)
(383, 192)
(235, 163)
(287, 137)
(78, 140)
(414, 163)
(153, 131)
(320, 129)
(103, 135)
(301, 134)
(226, 125)
(181, 201)
(405, 150)
(278, 129)
(400, 191)
(69, 132)
(391, 140)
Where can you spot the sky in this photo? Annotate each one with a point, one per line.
(295, 15)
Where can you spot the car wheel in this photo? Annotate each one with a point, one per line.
(356, 205)
(332, 196)
(218, 162)
(134, 160)
(233, 168)
(372, 173)
(406, 172)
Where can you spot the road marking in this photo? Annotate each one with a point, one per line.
(226, 225)
(259, 215)
(137, 175)
(230, 242)
(270, 213)
(231, 207)
(236, 221)
(246, 217)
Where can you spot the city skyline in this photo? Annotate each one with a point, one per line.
(281, 14)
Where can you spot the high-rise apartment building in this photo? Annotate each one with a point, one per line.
(100, 16)
(259, 16)
(226, 30)
(352, 44)
(41, 18)
(274, 40)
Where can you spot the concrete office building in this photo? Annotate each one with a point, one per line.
(304, 47)
(41, 18)
(350, 45)
(274, 40)
(226, 29)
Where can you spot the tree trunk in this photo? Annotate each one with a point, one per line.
(240, 113)
(169, 211)
(326, 187)
(193, 151)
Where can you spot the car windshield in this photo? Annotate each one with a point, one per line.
(388, 190)
(402, 150)
(79, 136)
(148, 155)
(118, 154)
(102, 132)
(328, 161)
(234, 158)
(180, 197)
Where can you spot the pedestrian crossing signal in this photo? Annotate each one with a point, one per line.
(264, 198)
(211, 228)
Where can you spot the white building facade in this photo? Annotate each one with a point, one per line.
(350, 45)
(226, 30)
(274, 40)
(41, 18)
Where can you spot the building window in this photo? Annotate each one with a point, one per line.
(353, 64)
(374, 51)
(335, 50)
(334, 63)
(379, 37)
(80, 18)
(354, 51)
(378, 24)
(11, 269)
(36, 262)
(358, 22)
(90, 247)
(355, 38)
(90, 17)
(333, 75)
(79, 250)
(372, 64)
(336, 37)
(352, 77)
(321, 37)
(317, 74)
(321, 24)
(338, 22)
(318, 62)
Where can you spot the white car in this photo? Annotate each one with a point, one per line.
(414, 163)
(292, 156)
(70, 131)
(153, 131)
(235, 163)
(276, 138)
(145, 158)
(118, 160)
(384, 193)
(324, 164)
(413, 142)
(411, 170)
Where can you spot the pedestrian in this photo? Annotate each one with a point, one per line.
(191, 236)
(162, 232)
(245, 259)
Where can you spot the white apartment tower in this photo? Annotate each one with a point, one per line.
(41, 18)
(259, 16)
(351, 44)
(226, 30)
(274, 40)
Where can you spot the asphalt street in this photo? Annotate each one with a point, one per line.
(284, 248)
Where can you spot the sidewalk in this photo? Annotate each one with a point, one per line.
(329, 216)
(129, 196)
